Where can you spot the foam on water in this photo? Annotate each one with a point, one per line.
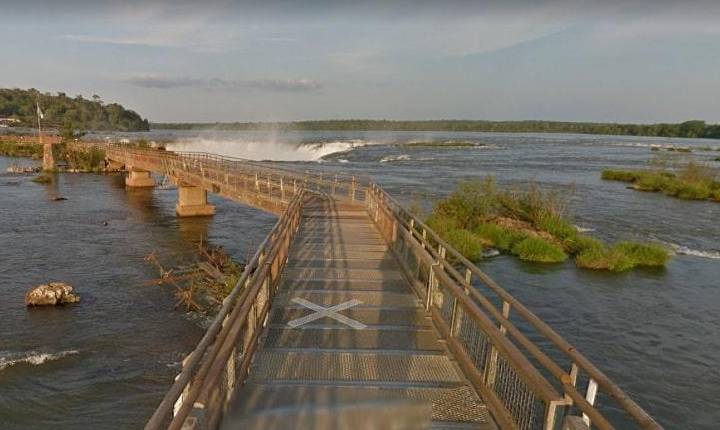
(684, 250)
(32, 357)
(390, 158)
(270, 149)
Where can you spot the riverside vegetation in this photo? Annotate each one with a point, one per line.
(92, 160)
(691, 180)
(17, 149)
(693, 128)
(63, 111)
(533, 225)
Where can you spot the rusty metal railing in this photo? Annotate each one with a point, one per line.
(222, 358)
(494, 352)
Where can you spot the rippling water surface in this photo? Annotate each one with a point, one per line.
(106, 362)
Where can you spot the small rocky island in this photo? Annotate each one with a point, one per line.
(51, 294)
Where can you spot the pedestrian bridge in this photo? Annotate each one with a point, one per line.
(354, 314)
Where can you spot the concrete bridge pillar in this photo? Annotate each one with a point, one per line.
(139, 178)
(48, 158)
(192, 201)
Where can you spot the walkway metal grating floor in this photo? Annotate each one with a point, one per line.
(393, 353)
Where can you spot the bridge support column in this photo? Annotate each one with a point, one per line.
(192, 201)
(139, 178)
(48, 158)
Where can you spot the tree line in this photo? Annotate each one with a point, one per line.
(63, 112)
(692, 129)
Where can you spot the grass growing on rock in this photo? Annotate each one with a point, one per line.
(532, 224)
(689, 181)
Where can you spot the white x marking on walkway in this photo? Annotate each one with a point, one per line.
(331, 312)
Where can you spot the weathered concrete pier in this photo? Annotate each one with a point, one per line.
(354, 314)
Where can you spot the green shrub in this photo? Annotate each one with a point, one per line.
(501, 238)
(441, 223)
(470, 202)
(533, 205)
(538, 250)
(466, 243)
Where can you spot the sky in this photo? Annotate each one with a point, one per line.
(229, 60)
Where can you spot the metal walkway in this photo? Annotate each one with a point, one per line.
(339, 256)
(353, 310)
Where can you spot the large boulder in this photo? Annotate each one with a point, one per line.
(50, 294)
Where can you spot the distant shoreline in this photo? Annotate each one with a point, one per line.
(687, 129)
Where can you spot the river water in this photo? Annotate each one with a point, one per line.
(105, 363)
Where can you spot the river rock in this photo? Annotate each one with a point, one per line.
(51, 294)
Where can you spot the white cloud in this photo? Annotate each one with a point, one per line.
(216, 84)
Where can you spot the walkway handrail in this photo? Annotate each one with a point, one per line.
(461, 272)
(266, 263)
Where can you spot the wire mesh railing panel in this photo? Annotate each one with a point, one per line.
(472, 338)
(527, 409)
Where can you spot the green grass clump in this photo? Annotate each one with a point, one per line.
(644, 254)
(581, 242)
(532, 224)
(469, 203)
(466, 243)
(442, 223)
(501, 238)
(692, 181)
(623, 256)
(603, 258)
(619, 175)
(43, 178)
(717, 158)
(539, 250)
(556, 226)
